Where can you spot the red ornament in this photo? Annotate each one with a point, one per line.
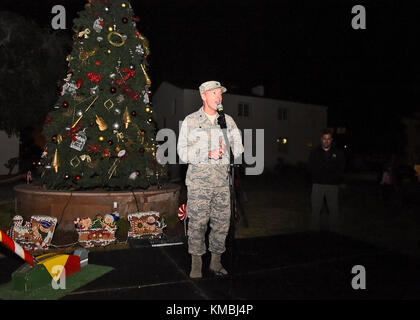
(106, 153)
(94, 77)
(136, 19)
(182, 212)
(137, 173)
(79, 83)
(129, 73)
(98, 63)
(65, 104)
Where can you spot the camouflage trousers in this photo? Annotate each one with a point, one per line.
(204, 205)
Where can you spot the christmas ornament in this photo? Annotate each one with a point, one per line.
(81, 139)
(65, 104)
(144, 41)
(133, 175)
(69, 87)
(106, 153)
(98, 63)
(99, 39)
(108, 104)
(55, 164)
(85, 157)
(84, 33)
(133, 113)
(94, 90)
(124, 20)
(147, 109)
(113, 90)
(116, 125)
(119, 135)
(120, 98)
(96, 148)
(88, 107)
(148, 82)
(110, 142)
(101, 138)
(79, 83)
(182, 212)
(98, 25)
(101, 123)
(75, 162)
(139, 49)
(84, 55)
(94, 77)
(110, 29)
(126, 118)
(129, 73)
(123, 5)
(128, 91)
(116, 44)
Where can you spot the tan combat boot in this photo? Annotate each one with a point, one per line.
(216, 266)
(196, 266)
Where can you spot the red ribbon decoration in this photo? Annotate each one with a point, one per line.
(73, 132)
(94, 148)
(129, 73)
(128, 91)
(94, 77)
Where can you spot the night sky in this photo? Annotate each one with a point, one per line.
(300, 50)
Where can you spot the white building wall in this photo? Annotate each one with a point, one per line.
(302, 127)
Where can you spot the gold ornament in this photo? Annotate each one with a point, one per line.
(126, 118)
(86, 157)
(117, 149)
(115, 44)
(144, 41)
(59, 139)
(108, 51)
(119, 135)
(84, 33)
(148, 82)
(75, 162)
(84, 55)
(55, 164)
(101, 123)
(147, 109)
(109, 104)
(88, 107)
(113, 169)
(123, 4)
(101, 138)
(110, 29)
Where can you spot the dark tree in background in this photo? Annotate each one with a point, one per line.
(27, 53)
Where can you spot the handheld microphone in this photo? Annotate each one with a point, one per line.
(221, 120)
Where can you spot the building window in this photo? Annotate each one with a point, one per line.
(244, 109)
(283, 114)
(174, 107)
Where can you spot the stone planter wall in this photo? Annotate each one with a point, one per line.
(67, 206)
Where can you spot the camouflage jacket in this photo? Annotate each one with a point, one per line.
(196, 138)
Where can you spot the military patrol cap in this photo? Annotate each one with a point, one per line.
(210, 85)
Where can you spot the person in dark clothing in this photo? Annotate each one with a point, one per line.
(326, 165)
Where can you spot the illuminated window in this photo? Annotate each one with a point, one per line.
(282, 143)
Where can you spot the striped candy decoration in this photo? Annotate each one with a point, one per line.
(182, 212)
(16, 248)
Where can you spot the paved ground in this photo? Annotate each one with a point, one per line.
(274, 257)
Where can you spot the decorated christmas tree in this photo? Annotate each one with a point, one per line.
(101, 132)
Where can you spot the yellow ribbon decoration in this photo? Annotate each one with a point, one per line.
(114, 43)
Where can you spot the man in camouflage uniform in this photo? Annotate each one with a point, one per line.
(202, 145)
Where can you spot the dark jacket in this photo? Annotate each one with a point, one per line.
(326, 167)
